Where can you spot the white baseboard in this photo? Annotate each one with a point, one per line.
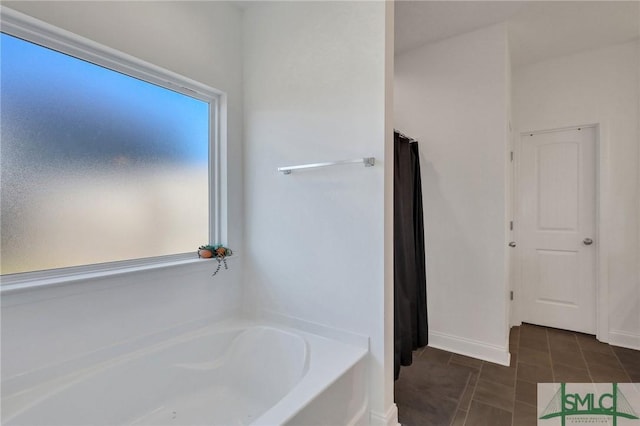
(624, 339)
(390, 418)
(469, 347)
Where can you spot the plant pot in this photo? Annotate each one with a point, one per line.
(205, 253)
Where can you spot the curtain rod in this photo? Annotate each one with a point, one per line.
(405, 136)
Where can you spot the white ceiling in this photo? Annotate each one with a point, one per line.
(538, 30)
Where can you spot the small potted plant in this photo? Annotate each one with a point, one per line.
(219, 252)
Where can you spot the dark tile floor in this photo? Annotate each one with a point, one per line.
(497, 395)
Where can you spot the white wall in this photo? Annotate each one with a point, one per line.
(599, 86)
(315, 91)
(452, 96)
(45, 327)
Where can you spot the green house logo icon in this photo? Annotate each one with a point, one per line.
(613, 404)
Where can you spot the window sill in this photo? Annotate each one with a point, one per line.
(32, 280)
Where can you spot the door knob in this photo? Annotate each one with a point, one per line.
(512, 244)
(587, 241)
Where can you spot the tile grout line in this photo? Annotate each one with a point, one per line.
(459, 402)
(624, 368)
(466, 412)
(584, 358)
(553, 373)
(515, 384)
(475, 386)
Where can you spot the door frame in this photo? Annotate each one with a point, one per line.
(602, 219)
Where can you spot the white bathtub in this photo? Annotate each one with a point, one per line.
(235, 374)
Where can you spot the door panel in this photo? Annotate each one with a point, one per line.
(558, 266)
(557, 186)
(557, 212)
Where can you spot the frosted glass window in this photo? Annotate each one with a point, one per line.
(96, 166)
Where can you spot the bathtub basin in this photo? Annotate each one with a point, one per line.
(236, 374)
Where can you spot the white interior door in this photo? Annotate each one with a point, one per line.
(556, 229)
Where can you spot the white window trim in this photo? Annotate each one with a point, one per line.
(39, 32)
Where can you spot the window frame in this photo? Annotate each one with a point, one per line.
(49, 36)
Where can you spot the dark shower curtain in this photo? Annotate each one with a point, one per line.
(410, 291)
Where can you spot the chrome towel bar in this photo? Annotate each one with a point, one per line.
(367, 161)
